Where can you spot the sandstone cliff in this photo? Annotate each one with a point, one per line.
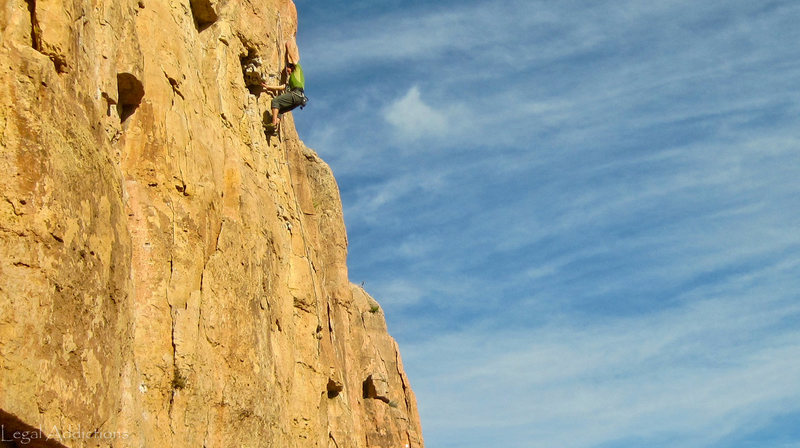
(169, 275)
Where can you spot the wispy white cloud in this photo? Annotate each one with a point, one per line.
(398, 292)
(413, 118)
(370, 202)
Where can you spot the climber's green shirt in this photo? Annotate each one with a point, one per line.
(296, 80)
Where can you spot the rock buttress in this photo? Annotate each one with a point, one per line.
(169, 276)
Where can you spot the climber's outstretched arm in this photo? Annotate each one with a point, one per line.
(273, 88)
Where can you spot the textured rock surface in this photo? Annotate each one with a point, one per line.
(169, 276)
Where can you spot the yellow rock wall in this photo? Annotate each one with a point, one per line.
(169, 275)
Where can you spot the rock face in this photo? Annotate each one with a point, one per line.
(169, 275)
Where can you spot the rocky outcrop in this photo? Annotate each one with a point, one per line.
(170, 275)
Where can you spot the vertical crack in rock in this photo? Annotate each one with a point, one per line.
(35, 31)
(330, 323)
(402, 375)
(131, 92)
(59, 62)
(203, 13)
(333, 439)
(217, 238)
(178, 380)
(409, 444)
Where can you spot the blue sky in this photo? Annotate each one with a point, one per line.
(582, 218)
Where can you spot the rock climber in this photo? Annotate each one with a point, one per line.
(293, 93)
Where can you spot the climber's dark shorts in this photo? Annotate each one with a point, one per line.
(288, 101)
